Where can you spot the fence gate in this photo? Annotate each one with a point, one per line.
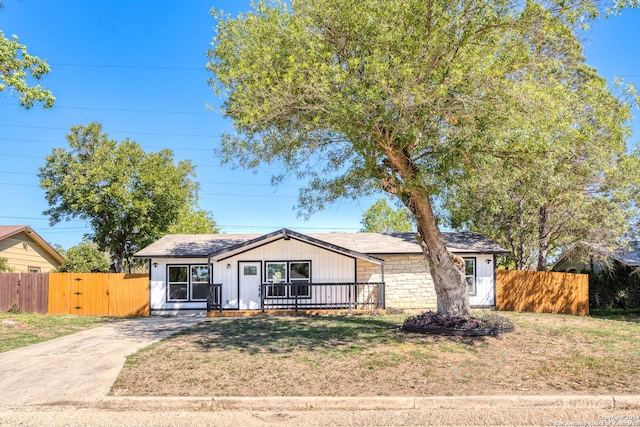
(99, 294)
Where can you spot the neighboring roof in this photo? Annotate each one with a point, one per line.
(628, 255)
(7, 231)
(357, 244)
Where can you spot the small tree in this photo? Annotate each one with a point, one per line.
(382, 218)
(129, 197)
(4, 266)
(85, 258)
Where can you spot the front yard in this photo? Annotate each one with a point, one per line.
(370, 356)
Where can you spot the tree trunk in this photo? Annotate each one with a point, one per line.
(446, 269)
(543, 244)
(118, 263)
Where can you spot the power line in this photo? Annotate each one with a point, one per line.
(248, 184)
(130, 110)
(133, 67)
(113, 131)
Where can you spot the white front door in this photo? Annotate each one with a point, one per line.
(249, 285)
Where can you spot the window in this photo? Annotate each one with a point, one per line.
(187, 282)
(276, 273)
(470, 274)
(297, 273)
(33, 269)
(199, 281)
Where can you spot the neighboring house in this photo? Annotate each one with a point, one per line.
(589, 258)
(286, 269)
(27, 252)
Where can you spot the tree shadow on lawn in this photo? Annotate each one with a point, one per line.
(285, 334)
(620, 315)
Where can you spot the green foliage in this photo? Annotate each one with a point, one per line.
(129, 197)
(404, 96)
(560, 171)
(85, 258)
(382, 218)
(17, 68)
(615, 288)
(193, 220)
(3, 265)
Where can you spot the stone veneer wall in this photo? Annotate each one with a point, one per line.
(407, 279)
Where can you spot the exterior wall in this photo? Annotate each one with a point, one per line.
(582, 261)
(21, 252)
(158, 292)
(408, 284)
(326, 267)
(485, 281)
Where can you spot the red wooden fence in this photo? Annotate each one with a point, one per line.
(26, 292)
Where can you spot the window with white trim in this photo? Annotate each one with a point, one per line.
(297, 273)
(470, 274)
(187, 282)
(300, 276)
(276, 273)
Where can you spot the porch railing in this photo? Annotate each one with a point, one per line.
(327, 296)
(214, 297)
(307, 296)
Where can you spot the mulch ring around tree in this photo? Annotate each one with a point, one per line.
(443, 324)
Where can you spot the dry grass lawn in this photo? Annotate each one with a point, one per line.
(22, 329)
(371, 356)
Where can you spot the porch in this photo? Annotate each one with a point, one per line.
(306, 297)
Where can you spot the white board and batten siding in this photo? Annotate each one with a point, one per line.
(326, 267)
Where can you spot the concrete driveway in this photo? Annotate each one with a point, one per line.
(80, 367)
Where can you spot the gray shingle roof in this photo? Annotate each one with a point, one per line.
(202, 245)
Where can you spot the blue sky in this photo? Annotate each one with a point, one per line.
(138, 67)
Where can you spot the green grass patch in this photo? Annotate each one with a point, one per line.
(23, 329)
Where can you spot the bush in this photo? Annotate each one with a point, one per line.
(13, 308)
(615, 288)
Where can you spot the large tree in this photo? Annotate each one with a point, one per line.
(560, 173)
(18, 70)
(129, 197)
(392, 95)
